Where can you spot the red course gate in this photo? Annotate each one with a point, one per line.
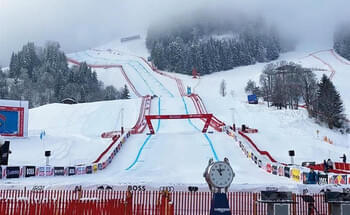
(181, 116)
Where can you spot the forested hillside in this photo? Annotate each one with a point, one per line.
(211, 43)
(42, 76)
(342, 41)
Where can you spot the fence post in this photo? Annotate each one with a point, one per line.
(255, 198)
(128, 203)
(294, 205)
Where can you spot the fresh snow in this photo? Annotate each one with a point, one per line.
(178, 153)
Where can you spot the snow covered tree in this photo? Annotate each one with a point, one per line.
(341, 42)
(179, 48)
(329, 105)
(41, 75)
(125, 93)
(14, 66)
(4, 88)
(251, 88)
(110, 93)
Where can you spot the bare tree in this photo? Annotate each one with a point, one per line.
(223, 88)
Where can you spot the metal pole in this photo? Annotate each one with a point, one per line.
(122, 119)
(233, 115)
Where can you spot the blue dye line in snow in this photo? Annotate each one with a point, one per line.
(130, 63)
(146, 141)
(156, 80)
(149, 87)
(160, 83)
(205, 135)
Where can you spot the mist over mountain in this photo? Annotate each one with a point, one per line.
(80, 24)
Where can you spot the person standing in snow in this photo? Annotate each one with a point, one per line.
(344, 158)
(329, 164)
(205, 174)
(325, 167)
(3, 153)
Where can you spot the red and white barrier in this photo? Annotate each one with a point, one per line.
(137, 202)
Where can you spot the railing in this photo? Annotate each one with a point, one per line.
(137, 202)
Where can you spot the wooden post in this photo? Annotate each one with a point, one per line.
(255, 198)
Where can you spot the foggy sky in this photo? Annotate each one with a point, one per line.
(82, 24)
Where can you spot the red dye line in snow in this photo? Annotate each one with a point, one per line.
(344, 61)
(331, 69)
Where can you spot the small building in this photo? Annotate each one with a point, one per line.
(69, 101)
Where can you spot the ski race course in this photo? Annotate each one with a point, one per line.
(87, 137)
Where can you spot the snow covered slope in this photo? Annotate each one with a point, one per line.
(72, 131)
(178, 152)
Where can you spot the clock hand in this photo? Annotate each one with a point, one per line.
(220, 171)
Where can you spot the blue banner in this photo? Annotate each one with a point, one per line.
(9, 122)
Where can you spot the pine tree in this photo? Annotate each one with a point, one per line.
(341, 42)
(329, 105)
(125, 93)
(14, 66)
(4, 88)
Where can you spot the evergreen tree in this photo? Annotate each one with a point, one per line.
(42, 76)
(329, 105)
(179, 48)
(14, 66)
(4, 88)
(341, 42)
(125, 93)
(110, 93)
(251, 88)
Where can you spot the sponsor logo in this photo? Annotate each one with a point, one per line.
(41, 171)
(71, 170)
(29, 171)
(88, 169)
(94, 168)
(192, 188)
(12, 172)
(104, 164)
(259, 163)
(58, 171)
(323, 179)
(222, 210)
(296, 175)
(167, 188)
(280, 171)
(136, 188)
(268, 168)
(274, 170)
(38, 188)
(338, 179)
(80, 170)
(287, 172)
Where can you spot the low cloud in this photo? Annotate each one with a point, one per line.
(81, 24)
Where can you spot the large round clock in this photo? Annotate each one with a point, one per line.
(220, 174)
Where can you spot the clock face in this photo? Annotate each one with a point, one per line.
(220, 174)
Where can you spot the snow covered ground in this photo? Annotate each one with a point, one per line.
(178, 152)
(72, 132)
